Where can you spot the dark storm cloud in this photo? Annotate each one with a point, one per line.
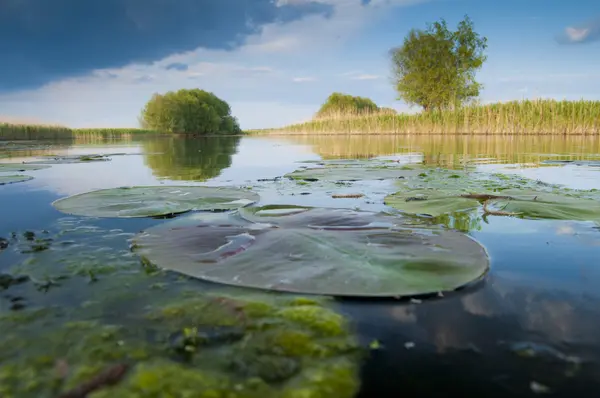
(44, 40)
(586, 33)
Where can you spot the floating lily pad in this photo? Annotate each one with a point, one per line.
(17, 167)
(71, 159)
(342, 173)
(4, 180)
(590, 163)
(440, 193)
(317, 251)
(128, 202)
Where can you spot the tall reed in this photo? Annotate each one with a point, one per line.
(528, 117)
(13, 132)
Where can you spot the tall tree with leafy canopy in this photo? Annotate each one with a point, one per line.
(192, 111)
(435, 68)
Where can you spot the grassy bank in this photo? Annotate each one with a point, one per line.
(539, 117)
(12, 132)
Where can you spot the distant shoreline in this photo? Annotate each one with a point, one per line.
(515, 118)
(538, 117)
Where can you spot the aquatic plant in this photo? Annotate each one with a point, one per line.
(527, 117)
(18, 167)
(13, 179)
(319, 251)
(439, 192)
(271, 347)
(153, 201)
(33, 132)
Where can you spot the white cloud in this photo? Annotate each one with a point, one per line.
(576, 34)
(366, 77)
(280, 54)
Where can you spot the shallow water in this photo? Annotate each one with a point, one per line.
(532, 326)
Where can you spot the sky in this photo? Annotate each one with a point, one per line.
(86, 63)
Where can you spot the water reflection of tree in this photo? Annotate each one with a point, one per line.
(196, 159)
(464, 222)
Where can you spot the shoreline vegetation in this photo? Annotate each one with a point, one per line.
(526, 117)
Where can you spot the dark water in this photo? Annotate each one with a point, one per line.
(531, 328)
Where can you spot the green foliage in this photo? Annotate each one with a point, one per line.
(529, 117)
(33, 132)
(435, 68)
(344, 104)
(111, 132)
(189, 112)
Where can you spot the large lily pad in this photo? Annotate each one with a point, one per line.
(348, 173)
(440, 193)
(13, 179)
(129, 202)
(66, 159)
(316, 251)
(18, 167)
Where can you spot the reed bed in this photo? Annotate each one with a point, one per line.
(30, 132)
(528, 117)
(111, 133)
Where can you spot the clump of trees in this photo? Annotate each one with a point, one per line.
(435, 68)
(191, 111)
(344, 104)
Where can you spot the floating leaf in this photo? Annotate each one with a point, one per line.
(17, 167)
(4, 180)
(70, 159)
(154, 201)
(317, 251)
(590, 163)
(438, 194)
(353, 173)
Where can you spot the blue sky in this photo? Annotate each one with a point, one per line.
(95, 64)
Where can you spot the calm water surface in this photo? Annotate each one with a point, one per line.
(532, 327)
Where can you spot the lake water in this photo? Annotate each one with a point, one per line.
(531, 327)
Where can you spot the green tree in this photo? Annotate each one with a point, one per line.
(338, 103)
(189, 112)
(435, 68)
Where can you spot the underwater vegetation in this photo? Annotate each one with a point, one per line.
(229, 300)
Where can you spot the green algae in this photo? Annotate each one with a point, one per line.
(293, 347)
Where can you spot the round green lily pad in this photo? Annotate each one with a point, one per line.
(17, 167)
(334, 252)
(496, 196)
(129, 202)
(13, 179)
(347, 173)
